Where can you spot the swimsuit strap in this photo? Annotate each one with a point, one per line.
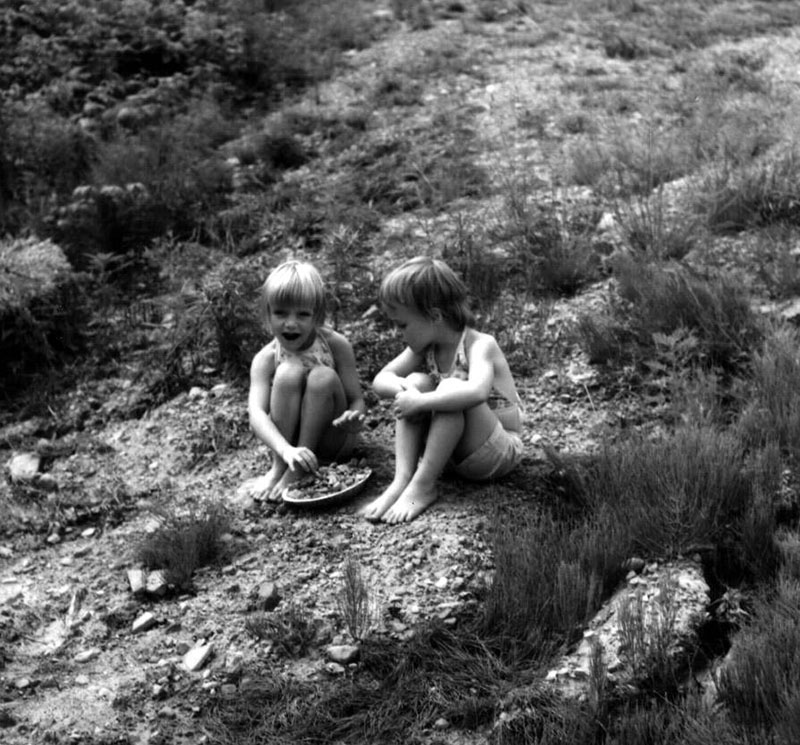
(459, 360)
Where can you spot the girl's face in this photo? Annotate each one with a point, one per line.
(417, 330)
(293, 326)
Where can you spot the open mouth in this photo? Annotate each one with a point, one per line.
(291, 337)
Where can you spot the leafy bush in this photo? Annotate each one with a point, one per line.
(549, 252)
(219, 325)
(43, 310)
(662, 299)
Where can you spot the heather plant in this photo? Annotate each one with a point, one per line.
(661, 299)
(355, 600)
(647, 637)
(771, 412)
(757, 194)
(218, 326)
(182, 543)
(550, 252)
(758, 686)
(549, 578)
(688, 489)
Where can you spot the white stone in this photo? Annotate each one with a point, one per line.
(23, 467)
(196, 657)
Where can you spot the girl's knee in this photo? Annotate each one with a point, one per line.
(421, 381)
(322, 379)
(289, 375)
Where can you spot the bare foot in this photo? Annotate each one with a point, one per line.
(286, 481)
(375, 509)
(410, 503)
(267, 483)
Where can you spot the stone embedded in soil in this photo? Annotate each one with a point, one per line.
(196, 657)
(137, 579)
(143, 623)
(267, 596)
(86, 655)
(343, 654)
(24, 467)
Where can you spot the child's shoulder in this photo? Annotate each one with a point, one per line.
(265, 355)
(332, 336)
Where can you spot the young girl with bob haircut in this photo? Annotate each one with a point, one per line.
(305, 401)
(455, 400)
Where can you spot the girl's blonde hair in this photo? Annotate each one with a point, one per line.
(295, 283)
(428, 284)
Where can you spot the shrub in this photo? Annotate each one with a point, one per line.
(549, 579)
(184, 543)
(550, 253)
(651, 300)
(759, 684)
(354, 601)
(218, 325)
(757, 194)
(43, 310)
(689, 489)
(772, 410)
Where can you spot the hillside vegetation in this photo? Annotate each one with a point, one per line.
(616, 181)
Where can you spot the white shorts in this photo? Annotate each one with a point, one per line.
(499, 455)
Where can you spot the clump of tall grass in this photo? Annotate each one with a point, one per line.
(771, 412)
(355, 600)
(757, 194)
(549, 579)
(549, 252)
(183, 543)
(661, 299)
(691, 488)
(759, 683)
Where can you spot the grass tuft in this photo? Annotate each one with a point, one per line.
(184, 543)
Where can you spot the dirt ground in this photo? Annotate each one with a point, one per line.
(72, 668)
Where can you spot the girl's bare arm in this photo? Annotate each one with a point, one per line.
(391, 380)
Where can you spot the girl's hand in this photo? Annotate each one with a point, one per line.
(302, 458)
(350, 421)
(408, 403)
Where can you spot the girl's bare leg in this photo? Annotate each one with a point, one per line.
(409, 439)
(322, 401)
(457, 434)
(419, 492)
(284, 406)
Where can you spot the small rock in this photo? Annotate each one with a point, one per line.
(441, 583)
(334, 668)
(137, 578)
(144, 622)
(82, 680)
(156, 584)
(267, 596)
(441, 723)
(86, 655)
(88, 533)
(24, 467)
(344, 654)
(196, 657)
